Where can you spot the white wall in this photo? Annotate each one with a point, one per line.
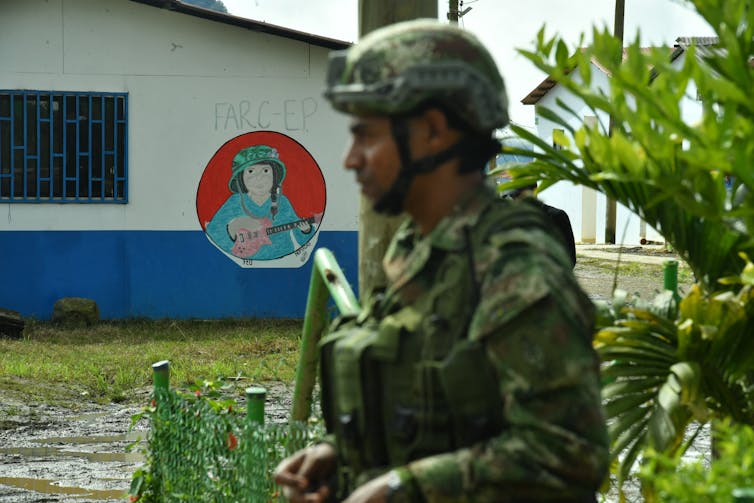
(585, 207)
(193, 84)
(585, 211)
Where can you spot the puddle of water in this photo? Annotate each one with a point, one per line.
(50, 487)
(131, 436)
(58, 451)
(89, 415)
(102, 457)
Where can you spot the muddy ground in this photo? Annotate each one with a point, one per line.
(66, 454)
(77, 451)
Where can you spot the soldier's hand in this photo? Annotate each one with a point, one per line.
(304, 476)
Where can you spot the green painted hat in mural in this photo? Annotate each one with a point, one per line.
(395, 69)
(257, 154)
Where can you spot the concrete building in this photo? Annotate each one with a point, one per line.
(125, 129)
(585, 207)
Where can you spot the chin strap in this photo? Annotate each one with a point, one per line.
(391, 202)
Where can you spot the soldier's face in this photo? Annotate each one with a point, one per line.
(372, 155)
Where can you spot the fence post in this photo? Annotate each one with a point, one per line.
(255, 396)
(670, 278)
(161, 386)
(327, 278)
(161, 375)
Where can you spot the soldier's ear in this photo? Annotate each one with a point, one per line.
(436, 122)
(440, 133)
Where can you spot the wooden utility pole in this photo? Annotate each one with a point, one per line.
(453, 11)
(375, 230)
(610, 210)
(374, 14)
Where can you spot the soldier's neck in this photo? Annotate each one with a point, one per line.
(434, 195)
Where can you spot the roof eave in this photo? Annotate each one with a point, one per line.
(540, 91)
(250, 24)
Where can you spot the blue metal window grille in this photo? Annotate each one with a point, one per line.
(63, 147)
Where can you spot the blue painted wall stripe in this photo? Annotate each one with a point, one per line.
(153, 274)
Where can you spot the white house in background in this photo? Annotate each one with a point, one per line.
(586, 207)
(119, 124)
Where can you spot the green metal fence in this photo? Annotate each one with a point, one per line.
(201, 449)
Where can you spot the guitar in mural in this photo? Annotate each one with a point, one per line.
(253, 233)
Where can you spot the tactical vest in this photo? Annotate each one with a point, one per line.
(403, 382)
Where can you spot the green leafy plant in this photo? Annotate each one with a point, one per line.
(667, 365)
(675, 480)
(670, 173)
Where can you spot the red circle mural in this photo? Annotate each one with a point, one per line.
(262, 196)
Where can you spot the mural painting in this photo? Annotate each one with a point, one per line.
(261, 200)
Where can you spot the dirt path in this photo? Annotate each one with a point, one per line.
(639, 270)
(77, 453)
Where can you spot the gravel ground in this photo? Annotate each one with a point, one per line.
(77, 453)
(596, 270)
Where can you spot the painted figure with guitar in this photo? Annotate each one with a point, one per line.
(257, 221)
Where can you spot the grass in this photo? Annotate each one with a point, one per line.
(111, 360)
(628, 268)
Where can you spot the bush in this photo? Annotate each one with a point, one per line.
(673, 480)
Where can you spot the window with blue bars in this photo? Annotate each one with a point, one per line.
(63, 147)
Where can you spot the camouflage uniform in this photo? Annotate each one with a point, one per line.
(472, 376)
(489, 276)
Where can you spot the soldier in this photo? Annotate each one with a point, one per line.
(471, 377)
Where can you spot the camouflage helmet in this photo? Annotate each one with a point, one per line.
(395, 69)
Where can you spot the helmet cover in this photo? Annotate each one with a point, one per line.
(396, 69)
